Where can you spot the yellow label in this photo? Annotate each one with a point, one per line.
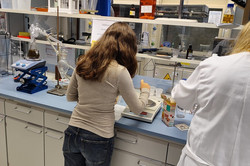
(184, 63)
(167, 77)
(132, 13)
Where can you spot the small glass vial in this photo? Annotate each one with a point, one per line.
(132, 11)
(228, 16)
(189, 54)
(180, 112)
(147, 9)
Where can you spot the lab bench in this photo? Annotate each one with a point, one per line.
(32, 125)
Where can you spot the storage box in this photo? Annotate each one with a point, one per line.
(6, 4)
(16, 4)
(168, 110)
(23, 4)
(69, 6)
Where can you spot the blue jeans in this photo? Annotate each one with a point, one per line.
(84, 148)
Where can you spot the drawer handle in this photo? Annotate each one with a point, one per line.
(60, 121)
(52, 136)
(33, 130)
(2, 118)
(126, 140)
(25, 112)
(141, 164)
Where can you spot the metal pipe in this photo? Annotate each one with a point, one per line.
(57, 75)
(181, 8)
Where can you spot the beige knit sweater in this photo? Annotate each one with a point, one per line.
(95, 100)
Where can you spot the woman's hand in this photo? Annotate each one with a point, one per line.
(144, 85)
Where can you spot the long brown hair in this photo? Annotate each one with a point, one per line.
(117, 43)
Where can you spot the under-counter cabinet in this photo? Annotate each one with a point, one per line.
(35, 137)
(123, 158)
(135, 149)
(24, 128)
(3, 151)
(55, 124)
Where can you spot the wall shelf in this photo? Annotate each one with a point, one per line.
(167, 21)
(138, 55)
(47, 43)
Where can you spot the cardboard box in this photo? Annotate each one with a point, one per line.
(168, 111)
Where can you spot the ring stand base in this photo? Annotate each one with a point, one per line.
(59, 91)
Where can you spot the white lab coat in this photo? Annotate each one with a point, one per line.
(219, 133)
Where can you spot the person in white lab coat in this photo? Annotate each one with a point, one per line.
(219, 133)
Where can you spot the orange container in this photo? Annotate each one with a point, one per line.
(147, 9)
(41, 9)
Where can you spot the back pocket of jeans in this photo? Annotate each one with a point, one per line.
(95, 151)
(66, 143)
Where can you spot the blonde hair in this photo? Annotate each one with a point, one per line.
(242, 43)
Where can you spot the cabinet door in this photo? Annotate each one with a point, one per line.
(3, 154)
(123, 158)
(2, 106)
(53, 148)
(186, 73)
(174, 153)
(165, 72)
(25, 143)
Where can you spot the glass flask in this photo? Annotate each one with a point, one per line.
(63, 65)
(33, 53)
(4, 52)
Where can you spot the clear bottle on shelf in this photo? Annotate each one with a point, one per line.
(147, 9)
(228, 16)
(132, 15)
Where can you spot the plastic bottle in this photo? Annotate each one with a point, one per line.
(189, 53)
(228, 16)
(132, 11)
(147, 9)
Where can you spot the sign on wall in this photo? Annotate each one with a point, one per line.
(98, 28)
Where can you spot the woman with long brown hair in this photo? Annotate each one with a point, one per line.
(100, 76)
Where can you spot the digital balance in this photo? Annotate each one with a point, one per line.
(149, 113)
